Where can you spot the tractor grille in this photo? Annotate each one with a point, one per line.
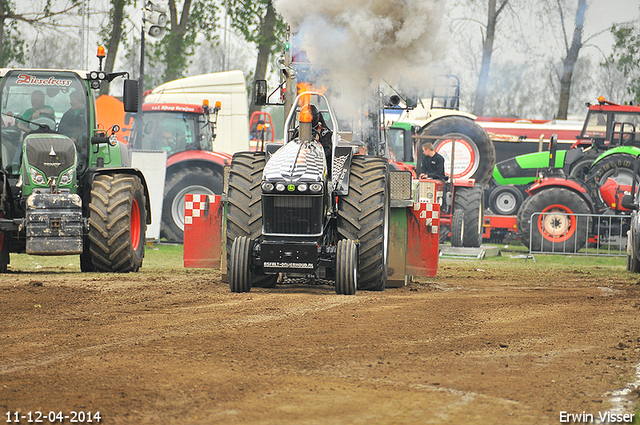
(292, 214)
(51, 155)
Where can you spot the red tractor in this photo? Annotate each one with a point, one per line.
(557, 217)
(186, 134)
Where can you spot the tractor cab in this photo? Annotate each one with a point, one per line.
(173, 127)
(608, 125)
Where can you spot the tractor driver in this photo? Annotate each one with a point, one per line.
(38, 109)
(74, 121)
(432, 164)
(432, 167)
(322, 131)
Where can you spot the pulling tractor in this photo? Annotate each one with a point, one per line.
(289, 211)
(66, 189)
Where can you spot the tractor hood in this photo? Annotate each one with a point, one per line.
(297, 161)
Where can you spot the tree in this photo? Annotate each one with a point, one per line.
(259, 23)
(113, 33)
(180, 42)
(487, 50)
(12, 47)
(571, 56)
(626, 56)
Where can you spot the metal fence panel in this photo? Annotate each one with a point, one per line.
(578, 234)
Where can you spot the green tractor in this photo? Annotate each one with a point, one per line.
(66, 185)
(606, 148)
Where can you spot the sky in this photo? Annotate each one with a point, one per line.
(602, 13)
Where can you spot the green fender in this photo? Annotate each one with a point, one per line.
(523, 169)
(627, 150)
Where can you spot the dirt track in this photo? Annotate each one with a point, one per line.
(474, 346)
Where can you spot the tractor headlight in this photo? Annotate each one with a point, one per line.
(267, 186)
(66, 177)
(280, 187)
(302, 187)
(315, 187)
(36, 176)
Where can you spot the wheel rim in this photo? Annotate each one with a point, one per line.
(506, 203)
(466, 154)
(135, 225)
(624, 177)
(177, 206)
(557, 223)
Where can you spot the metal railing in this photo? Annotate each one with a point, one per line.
(578, 234)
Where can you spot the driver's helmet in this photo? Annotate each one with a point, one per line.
(315, 114)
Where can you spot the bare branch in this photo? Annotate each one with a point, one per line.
(564, 29)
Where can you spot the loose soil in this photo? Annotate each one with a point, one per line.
(480, 344)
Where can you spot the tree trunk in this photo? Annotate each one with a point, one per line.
(569, 62)
(174, 54)
(267, 36)
(2, 18)
(487, 50)
(114, 40)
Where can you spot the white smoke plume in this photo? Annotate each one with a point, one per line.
(360, 43)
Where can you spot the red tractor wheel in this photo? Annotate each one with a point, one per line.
(551, 221)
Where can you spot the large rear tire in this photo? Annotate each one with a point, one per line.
(618, 166)
(346, 267)
(240, 265)
(471, 140)
(557, 229)
(196, 180)
(468, 231)
(363, 215)
(524, 237)
(244, 206)
(118, 222)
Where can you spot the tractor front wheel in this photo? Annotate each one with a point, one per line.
(118, 222)
(346, 267)
(551, 221)
(240, 265)
(4, 251)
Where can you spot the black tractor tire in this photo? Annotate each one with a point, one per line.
(445, 128)
(118, 222)
(195, 179)
(581, 168)
(244, 207)
(86, 261)
(468, 229)
(363, 216)
(457, 228)
(240, 265)
(5, 240)
(633, 265)
(544, 230)
(346, 267)
(618, 166)
(524, 238)
(505, 200)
